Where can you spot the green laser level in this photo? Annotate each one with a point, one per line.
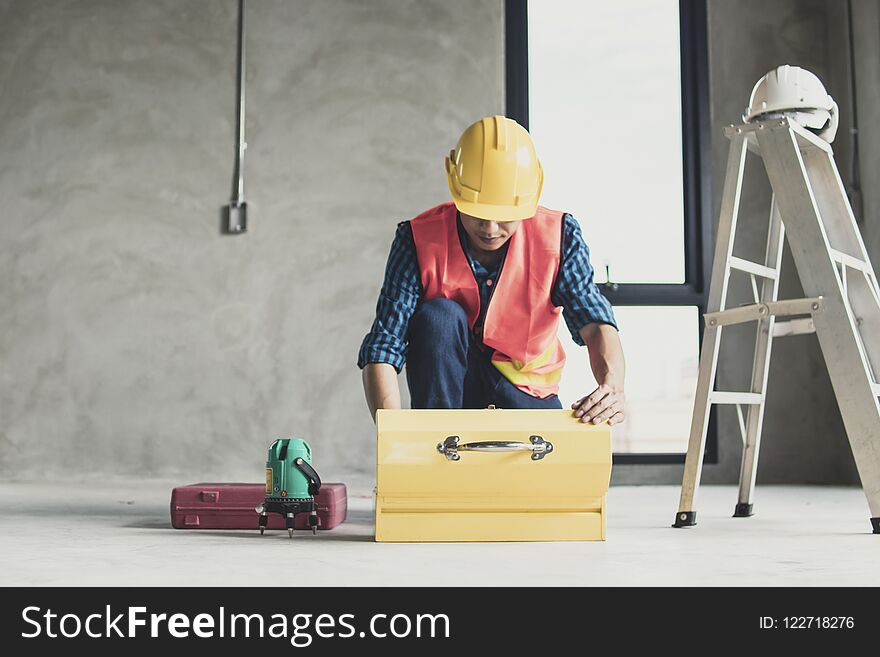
(291, 484)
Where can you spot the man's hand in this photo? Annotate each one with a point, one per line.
(380, 387)
(605, 403)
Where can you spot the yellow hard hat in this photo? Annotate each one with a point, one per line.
(494, 172)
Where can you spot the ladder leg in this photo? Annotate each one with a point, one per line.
(801, 191)
(749, 466)
(730, 199)
(693, 465)
(863, 297)
(760, 369)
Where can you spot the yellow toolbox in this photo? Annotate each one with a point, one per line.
(490, 475)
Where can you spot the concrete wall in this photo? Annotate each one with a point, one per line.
(134, 338)
(866, 42)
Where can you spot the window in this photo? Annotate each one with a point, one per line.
(615, 97)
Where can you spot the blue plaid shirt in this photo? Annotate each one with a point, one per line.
(582, 302)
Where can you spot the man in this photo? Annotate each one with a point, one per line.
(473, 291)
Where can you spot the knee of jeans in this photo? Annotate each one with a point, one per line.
(437, 313)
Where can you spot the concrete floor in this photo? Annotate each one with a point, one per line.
(119, 535)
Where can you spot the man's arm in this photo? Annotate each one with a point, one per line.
(590, 320)
(380, 387)
(383, 351)
(607, 401)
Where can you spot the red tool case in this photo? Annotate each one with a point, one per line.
(231, 506)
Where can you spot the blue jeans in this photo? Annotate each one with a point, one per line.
(446, 369)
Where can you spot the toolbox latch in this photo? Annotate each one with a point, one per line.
(210, 495)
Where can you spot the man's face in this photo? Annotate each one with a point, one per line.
(486, 235)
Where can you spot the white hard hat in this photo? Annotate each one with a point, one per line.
(797, 94)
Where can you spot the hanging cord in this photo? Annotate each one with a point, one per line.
(235, 214)
(238, 174)
(855, 192)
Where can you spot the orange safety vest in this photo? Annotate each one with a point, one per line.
(521, 321)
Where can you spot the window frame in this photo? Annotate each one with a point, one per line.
(699, 229)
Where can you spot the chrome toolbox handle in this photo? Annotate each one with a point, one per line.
(539, 447)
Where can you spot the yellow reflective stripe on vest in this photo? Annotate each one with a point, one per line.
(517, 372)
(518, 377)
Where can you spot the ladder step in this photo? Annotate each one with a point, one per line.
(848, 260)
(724, 397)
(876, 387)
(752, 268)
(806, 140)
(794, 327)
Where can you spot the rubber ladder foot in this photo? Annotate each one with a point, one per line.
(685, 519)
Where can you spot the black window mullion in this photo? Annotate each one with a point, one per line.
(516, 54)
(651, 294)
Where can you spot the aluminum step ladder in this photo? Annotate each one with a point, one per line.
(809, 208)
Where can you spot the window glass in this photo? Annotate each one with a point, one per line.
(661, 347)
(605, 115)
